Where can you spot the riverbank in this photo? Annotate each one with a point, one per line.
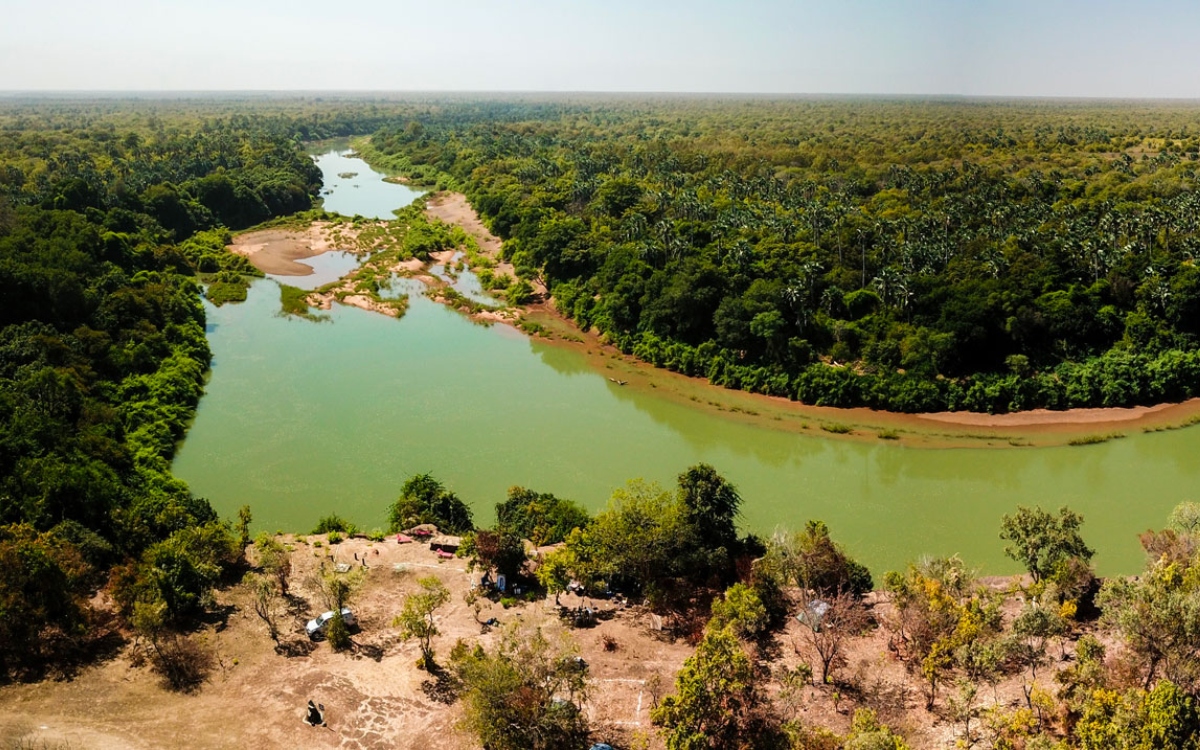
(941, 429)
(374, 695)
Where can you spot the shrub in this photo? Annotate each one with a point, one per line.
(333, 522)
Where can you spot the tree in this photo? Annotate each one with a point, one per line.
(265, 601)
(641, 542)
(524, 695)
(1158, 615)
(741, 610)
(1164, 718)
(866, 733)
(40, 591)
(502, 551)
(1031, 632)
(829, 623)
(337, 589)
(273, 560)
(244, 519)
(714, 697)
(416, 619)
(423, 499)
(540, 517)
(811, 560)
(1042, 542)
(711, 506)
(940, 619)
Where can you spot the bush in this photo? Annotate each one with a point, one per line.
(423, 499)
(333, 522)
(337, 633)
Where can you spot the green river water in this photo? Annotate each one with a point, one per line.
(301, 419)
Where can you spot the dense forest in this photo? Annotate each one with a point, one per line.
(106, 224)
(903, 255)
(898, 254)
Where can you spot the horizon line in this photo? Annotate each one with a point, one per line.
(351, 93)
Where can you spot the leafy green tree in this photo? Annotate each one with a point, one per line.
(501, 551)
(1158, 616)
(337, 633)
(244, 519)
(524, 695)
(866, 733)
(41, 590)
(274, 560)
(416, 619)
(334, 523)
(1164, 718)
(1042, 542)
(642, 541)
(540, 517)
(715, 694)
(424, 499)
(711, 506)
(741, 610)
(811, 560)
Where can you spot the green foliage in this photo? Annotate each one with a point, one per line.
(520, 293)
(866, 733)
(540, 517)
(337, 633)
(106, 219)
(1042, 542)
(525, 695)
(666, 546)
(1163, 718)
(941, 620)
(811, 560)
(981, 256)
(294, 301)
(41, 591)
(177, 574)
(711, 506)
(1158, 616)
(713, 700)
(501, 551)
(740, 610)
(244, 520)
(423, 499)
(334, 523)
(273, 559)
(416, 620)
(337, 589)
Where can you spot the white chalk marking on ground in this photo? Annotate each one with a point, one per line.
(638, 713)
(435, 565)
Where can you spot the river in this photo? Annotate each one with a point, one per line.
(301, 419)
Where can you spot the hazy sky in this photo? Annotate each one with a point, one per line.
(978, 47)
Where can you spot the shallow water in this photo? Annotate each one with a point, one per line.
(301, 419)
(365, 193)
(327, 267)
